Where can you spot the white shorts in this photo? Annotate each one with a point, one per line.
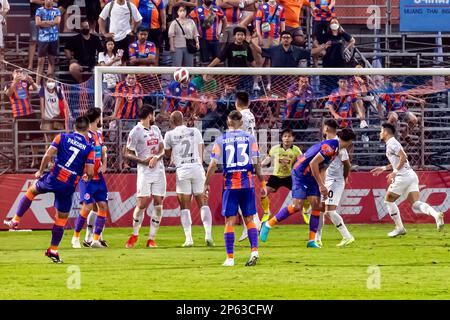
(405, 184)
(149, 187)
(335, 190)
(190, 181)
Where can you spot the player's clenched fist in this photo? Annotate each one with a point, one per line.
(153, 161)
(323, 191)
(38, 174)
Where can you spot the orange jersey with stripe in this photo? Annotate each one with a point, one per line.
(130, 95)
(149, 10)
(20, 100)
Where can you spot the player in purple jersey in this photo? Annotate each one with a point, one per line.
(238, 152)
(74, 153)
(308, 183)
(93, 194)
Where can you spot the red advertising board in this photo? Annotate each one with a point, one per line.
(362, 201)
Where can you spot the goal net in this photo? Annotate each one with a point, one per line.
(416, 100)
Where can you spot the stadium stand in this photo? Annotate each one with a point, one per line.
(428, 142)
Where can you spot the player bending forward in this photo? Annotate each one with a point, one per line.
(73, 153)
(402, 181)
(238, 152)
(145, 146)
(186, 147)
(307, 183)
(94, 190)
(335, 178)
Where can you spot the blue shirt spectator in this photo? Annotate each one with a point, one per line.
(48, 34)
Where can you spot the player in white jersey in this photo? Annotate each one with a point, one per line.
(335, 177)
(186, 146)
(248, 125)
(402, 181)
(145, 146)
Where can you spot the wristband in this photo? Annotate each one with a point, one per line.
(395, 171)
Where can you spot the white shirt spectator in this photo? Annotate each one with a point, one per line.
(4, 10)
(111, 80)
(120, 19)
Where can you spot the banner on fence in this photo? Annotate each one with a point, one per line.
(362, 201)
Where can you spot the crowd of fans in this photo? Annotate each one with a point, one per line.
(232, 33)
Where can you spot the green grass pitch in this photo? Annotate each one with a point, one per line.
(416, 266)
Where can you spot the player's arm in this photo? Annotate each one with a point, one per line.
(131, 155)
(347, 167)
(201, 150)
(376, 171)
(154, 160)
(49, 154)
(209, 173)
(259, 174)
(104, 165)
(266, 161)
(314, 165)
(403, 158)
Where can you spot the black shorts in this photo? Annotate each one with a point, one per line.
(155, 36)
(29, 126)
(46, 49)
(276, 183)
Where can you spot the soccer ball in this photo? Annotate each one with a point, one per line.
(181, 75)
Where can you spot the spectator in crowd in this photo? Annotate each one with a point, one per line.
(323, 12)
(270, 22)
(300, 101)
(234, 16)
(63, 5)
(47, 20)
(81, 50)
(124, 21)
(93, 9)
(4, 9)
(395, 100)
(34, 5)
(19, 96)
(341, 102)
(338, 53)
(208, 18)
(359, 87)
(128, 94)
(293, 21)
(180, 55)
(153, 14)
(54, 109)
(287, 55)
(181, 96)
(110, 57)
(142, 52)
(237, 55)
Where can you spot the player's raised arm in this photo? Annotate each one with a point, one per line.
(314, 164)
(49, 154)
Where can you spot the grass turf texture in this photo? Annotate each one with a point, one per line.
(415, 266)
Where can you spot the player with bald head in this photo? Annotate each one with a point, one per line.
(185, 146)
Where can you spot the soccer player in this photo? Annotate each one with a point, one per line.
(307, 183)
(94, 190)
(73, 153)
(145, 146)
(248, 125)
(336, 176)
(186, 147)
(283, 156)
(402, 181)
(238, 152)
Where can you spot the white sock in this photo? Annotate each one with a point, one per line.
(319, 228)
(425, 208)
(138, 217)
(339, 223)
(90, 225)
(186, 222)
(394, 213)
(205, 213)
(155, 222)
